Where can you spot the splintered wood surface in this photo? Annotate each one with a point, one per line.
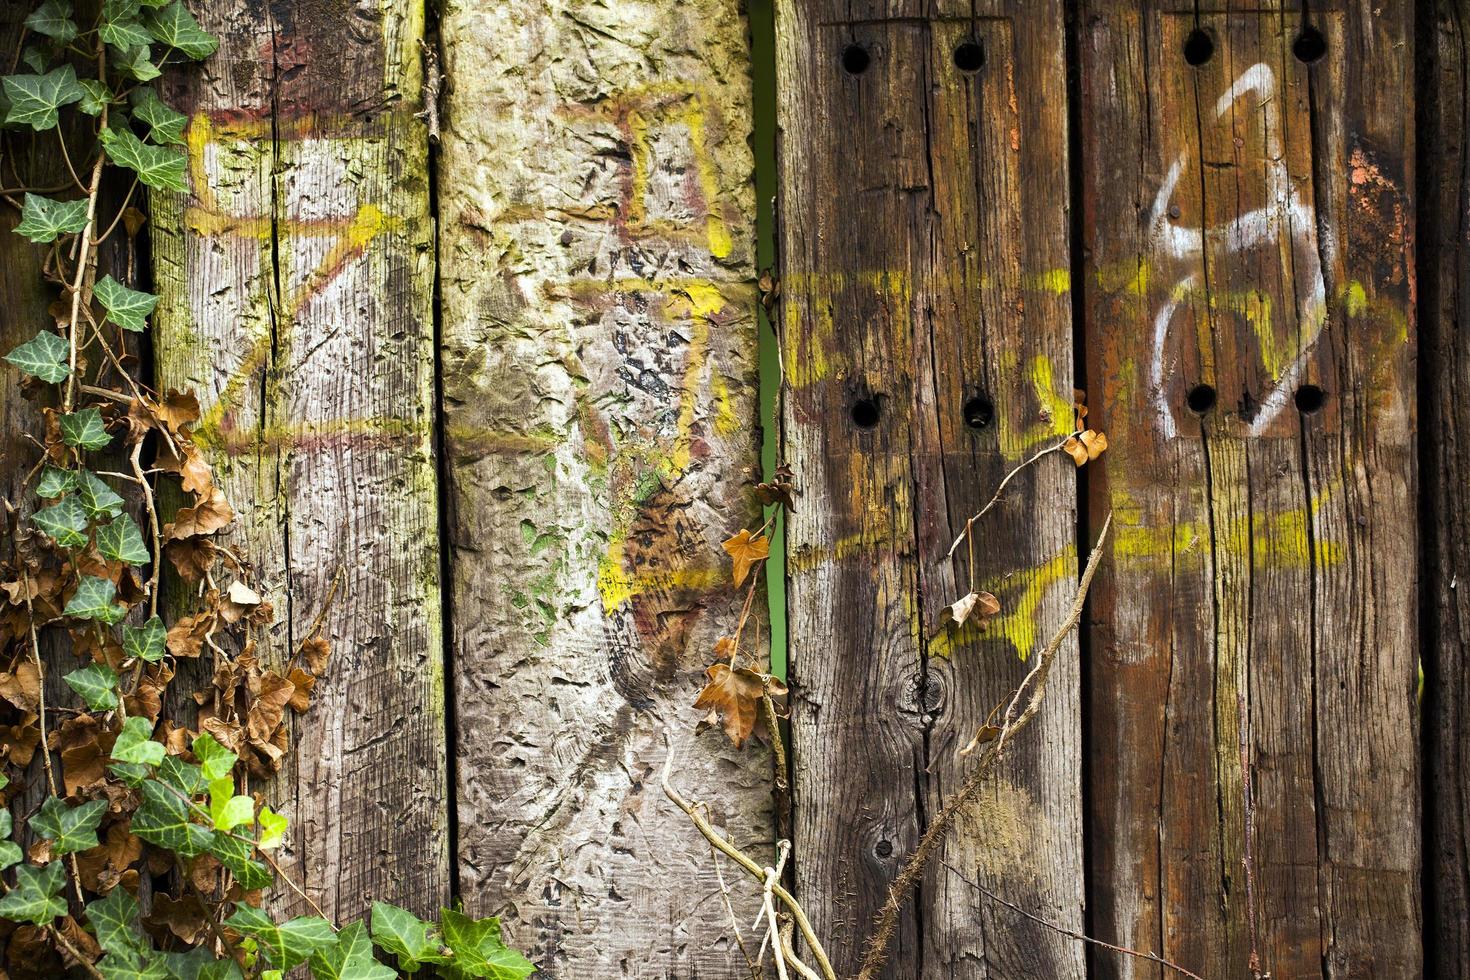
(928, 350)
(1249, 304)
(296, 281)
(599, 371)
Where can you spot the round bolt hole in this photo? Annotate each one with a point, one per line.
(1201, 399)
(1310, 398)
(1309, 46)
(865, 413)
(1199, 47)
(884, 848)
(969, 57)
(979, 412)
(855, 59)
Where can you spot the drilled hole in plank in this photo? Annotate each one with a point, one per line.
(1199, 47)
(1309, 46)
(1310, 398)
(865, 413)
(969, 56)
(979, 412)
(1201, 398)
(856, 59)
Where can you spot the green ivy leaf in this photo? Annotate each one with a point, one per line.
(42, 219)
(94, 600)
(122, 9)
(146, 642)
(132, 773)
(97, 497)
(235, 854)
(69, 828)
(137, 63)
(128, 308)
(85, 430)
(34, 99)
(479, 951)
(185, 777)
(215, 761)
(122, 541)
(153, 966)
(130, 955)
(227, 810)
(10, 852)
(55, 481)
(114, 920)
(272, 829)
(135, 743)
(177, 28)
(200, 964)
(65, 521)
(36, 896)
(406, 936)
(286, 945)
(123, 33)
(161, 168)
(163, 820)
(53, 19)
(97, 685)
(165, 125)
(350, 959)
(98, 96)
(36, 57)
(43, 356)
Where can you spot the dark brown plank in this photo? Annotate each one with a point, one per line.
(924, 275)
(1248, 226)
(1444, 122)
(296, 280)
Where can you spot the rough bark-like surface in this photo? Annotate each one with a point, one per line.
(928, 349)
(599, 361)
(1444, 122)
(1249, 227)
(297, 281)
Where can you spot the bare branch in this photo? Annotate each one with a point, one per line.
(1034, 682)
(1061, 930)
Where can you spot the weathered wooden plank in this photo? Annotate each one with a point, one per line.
(599, 351)
(296, 282)
(1444, 123)
(928, 349)
(1249, 300)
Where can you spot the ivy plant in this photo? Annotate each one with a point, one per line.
(115, 792)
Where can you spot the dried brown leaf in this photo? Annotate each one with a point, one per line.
(745, 550)
(982, 606)
(735, 695)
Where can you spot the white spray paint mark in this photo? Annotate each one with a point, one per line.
(1244, 232)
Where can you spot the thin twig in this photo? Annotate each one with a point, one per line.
(730, 908)
(84, 244)
(751, 867)
(76, 954)
(1062, 930)
(1000, 490)
(1035, 682)
(792, 959)
(76, 875)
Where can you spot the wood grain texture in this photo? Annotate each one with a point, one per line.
(599, 359)
(296, 281)
(924, 278)
(1249, 226)
(1444, 123)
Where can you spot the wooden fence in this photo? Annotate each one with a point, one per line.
(470, 298)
